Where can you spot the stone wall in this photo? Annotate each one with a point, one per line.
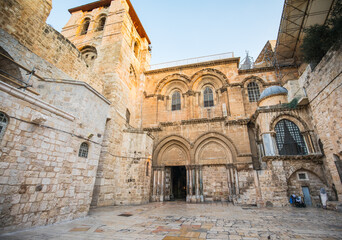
(323, 88)
(128, 181)
(25, 21)
(215, 183)
(43, 180)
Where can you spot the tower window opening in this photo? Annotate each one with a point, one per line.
(101, 24)
(85, 26)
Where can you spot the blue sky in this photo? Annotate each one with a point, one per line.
(180, 29)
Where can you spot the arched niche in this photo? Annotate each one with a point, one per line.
(295, 119)
(172, 151)
(172, 86)
(171, 80)
(89, 54)
(255, 79)
(208, 76)
(214, 148)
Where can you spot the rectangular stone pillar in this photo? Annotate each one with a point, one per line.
(154, 190)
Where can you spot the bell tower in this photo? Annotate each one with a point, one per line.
(115, 47)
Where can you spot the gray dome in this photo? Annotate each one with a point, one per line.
(273, 90)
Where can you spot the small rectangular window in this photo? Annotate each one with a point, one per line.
(302, 176)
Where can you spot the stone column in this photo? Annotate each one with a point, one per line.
(269, 144)
(201, 184)
(229, 183)
(193, 190)
(161, 197)
(190, 178)
(187, 184)
(158, 185)
(237, 182)
(232, 181)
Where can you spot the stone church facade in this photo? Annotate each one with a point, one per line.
(85, 122)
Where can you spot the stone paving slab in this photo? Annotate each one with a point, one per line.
(182, 221)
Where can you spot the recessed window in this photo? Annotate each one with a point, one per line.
(84, 148)
(101, 24)
(85, 26)
(89, 54)
(289, 139)
(136, 49)
(208, 97)
(253, 92)
(128, 116)
(176, 101)
(147, 168)
(3, 124)
(302, 176)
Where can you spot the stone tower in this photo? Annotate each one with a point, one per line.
(115, 46)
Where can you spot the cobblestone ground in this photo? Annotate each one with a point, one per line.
(178, 220)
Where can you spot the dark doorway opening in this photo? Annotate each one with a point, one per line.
(178, 175)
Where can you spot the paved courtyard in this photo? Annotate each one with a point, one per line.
(178, 220)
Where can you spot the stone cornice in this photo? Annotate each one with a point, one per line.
(317, 158)
(159, 128)
(201, 64)
(276, 108)
(34, 101)
(262, 69)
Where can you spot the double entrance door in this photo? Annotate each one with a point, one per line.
(177, 183)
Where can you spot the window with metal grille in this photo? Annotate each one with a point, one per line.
(84, 148)
(3, 124)
(101, 24)
(85, 26)
(289, 139)
(253, 92)
(302, 176)
(208, 97)
(176, 101)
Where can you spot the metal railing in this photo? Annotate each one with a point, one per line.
(192, 60)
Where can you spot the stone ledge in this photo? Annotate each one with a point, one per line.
(34, 101)
(317, 158)
(80, 83)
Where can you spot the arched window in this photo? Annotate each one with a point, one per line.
(253, 92)
(85, 26)
(176, 101)
(89, 54)
(84, 148)
(101, 23)
(208, 97)
(3, 124)
(136, 49)
(289, 139)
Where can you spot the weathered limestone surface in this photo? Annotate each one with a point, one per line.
(42, 179)
(323, 87)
